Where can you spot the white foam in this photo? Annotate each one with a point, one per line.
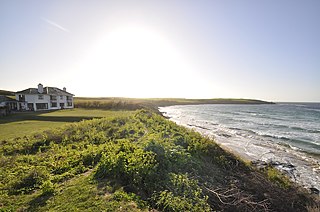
(254, 147)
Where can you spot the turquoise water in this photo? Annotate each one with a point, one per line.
(288, 133)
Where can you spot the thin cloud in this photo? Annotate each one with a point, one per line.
(54, 24)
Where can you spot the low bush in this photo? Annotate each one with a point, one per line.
(277, 177)
(31, 181)
(184, 195)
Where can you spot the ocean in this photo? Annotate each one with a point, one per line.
(286, 134)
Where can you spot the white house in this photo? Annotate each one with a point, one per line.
(44, 98)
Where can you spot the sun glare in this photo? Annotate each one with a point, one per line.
(137, 62)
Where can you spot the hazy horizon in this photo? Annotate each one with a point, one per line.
(267, 50)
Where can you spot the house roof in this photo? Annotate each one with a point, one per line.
(46, 90)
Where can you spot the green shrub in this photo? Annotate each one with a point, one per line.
(275, 176)
(184, 195)
(47, 188)
(30, 181)
(169, 157)
(127, 163)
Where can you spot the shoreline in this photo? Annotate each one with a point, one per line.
(299, 167)
(293, 167)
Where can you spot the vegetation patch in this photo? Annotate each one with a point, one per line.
(23, 124)
(132, 162)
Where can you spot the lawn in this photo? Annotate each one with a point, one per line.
(27, 123)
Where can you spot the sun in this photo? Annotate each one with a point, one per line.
(134, 49)
(136, 61)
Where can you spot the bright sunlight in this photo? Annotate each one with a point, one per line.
(137, 62)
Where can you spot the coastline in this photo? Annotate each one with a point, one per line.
(300, 167)
(146, 152)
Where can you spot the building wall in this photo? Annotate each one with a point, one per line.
(34, 98)
(63, 100)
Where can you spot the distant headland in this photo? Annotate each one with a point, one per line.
(138, 103)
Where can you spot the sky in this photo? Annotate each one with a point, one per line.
(266, 49)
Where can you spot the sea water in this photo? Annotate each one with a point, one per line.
(286, 134)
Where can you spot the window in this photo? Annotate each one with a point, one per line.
(41, 106)
(53, 98)
(21, 98)
(61, 97)
(69, 103)
(30, 106)
(40, 96)
(53, 104)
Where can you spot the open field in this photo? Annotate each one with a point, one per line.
(133, 161)
(27, 123)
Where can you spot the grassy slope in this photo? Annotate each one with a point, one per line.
(133, 161)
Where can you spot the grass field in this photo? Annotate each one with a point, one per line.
(27, 123)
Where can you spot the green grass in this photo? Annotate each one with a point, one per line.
(27, 123)
(131, 161)
(86, 196)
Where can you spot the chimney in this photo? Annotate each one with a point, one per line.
(64, 89)
(40, 88)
